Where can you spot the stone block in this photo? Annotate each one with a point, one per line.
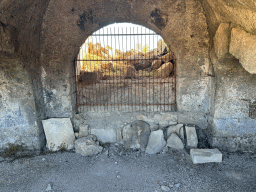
(165, 69)
(105, 135)
(87, 146)
(59, 132)
(167, 57)
(221, 40)
(243, 47)
(83, 130)
(136, 135)
(174, 142)
(178, 129)
(156, 142)
(156, 64)
(205, 155)
(192, 140)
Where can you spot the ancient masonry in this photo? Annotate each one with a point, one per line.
(214, 46)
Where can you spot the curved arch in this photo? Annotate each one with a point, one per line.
(66, 25)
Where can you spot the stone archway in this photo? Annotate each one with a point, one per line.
(181, 23)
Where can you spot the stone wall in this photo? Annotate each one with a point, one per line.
(182, 24)
(18, 116)
(215, 94)
(234, 123)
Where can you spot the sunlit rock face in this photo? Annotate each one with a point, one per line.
(243, 47)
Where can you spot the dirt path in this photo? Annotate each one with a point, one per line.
(118, 170)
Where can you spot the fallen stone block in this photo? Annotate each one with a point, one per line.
(166, 58)
(221, 40)
(174, 142)
(161, 46)
(178, 129)
(156, 142)
(156, 64)
(87, 146)
(192, 140)
(205, 155)
(59, 133)
(243, 47)
(165, 69)
(105, 135)
(136, 135)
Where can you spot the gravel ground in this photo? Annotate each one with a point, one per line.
(116, 169)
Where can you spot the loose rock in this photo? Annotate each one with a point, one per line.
(76, 135)
(165, 188)
(156, 142)
(192, 140)
(161, 46)
(174, 142)
(177, 185)
(136, 135)
(178, 129)
(87, 146)
(59, 133)
(89, 77)
(49, 188)
(205, 155)
(165, 69)
(156, 64)
(138, 61)
(166, 58)
(128, 71)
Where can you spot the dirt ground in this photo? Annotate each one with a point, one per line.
(116, 169)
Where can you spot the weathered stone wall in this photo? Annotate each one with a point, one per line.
(234, 122)
(182, 24)
(47, 35)
(18, 116)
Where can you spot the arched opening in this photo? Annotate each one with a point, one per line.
(125, 67)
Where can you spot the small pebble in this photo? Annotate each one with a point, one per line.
(49, 188)
(43, 159)
(177, 185)
(118, 177)
(165, 188)
(115, 162)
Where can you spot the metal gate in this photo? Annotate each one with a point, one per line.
(125, 69)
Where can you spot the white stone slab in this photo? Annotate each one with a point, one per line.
(59, 131)
(205, 155)
(178, 129)
(192, 140)
(105, 135)
(156, 142)
(174, 142)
